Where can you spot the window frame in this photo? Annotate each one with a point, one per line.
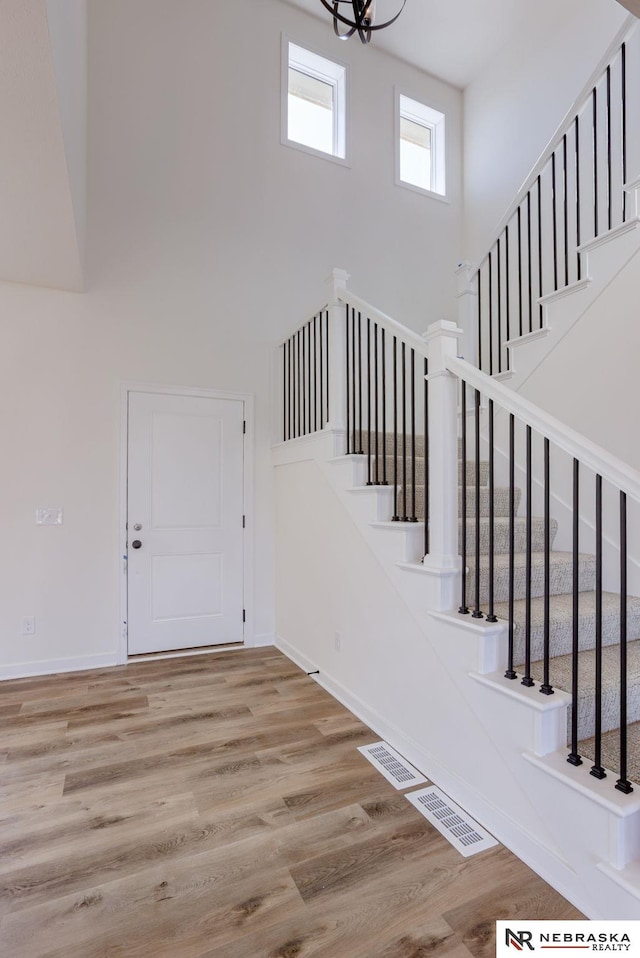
(340, 81)
(435, 120)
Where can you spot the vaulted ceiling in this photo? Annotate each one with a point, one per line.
(43, 108)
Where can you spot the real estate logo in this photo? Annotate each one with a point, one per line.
(609, 937)
(518, 939)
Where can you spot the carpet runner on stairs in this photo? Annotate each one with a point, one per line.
(561, 597)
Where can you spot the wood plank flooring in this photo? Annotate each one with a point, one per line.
(216, 807)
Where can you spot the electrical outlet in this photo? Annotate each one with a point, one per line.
(336, 641)
(29, 625)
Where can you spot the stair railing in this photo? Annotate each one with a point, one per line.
(512, 433)
(392, 399)
(352, 369)
(578, 191)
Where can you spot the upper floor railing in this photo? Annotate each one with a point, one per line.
(578, 191)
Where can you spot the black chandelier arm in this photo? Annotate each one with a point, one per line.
(358, 23)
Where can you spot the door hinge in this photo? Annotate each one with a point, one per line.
(244, 426)
(244, 522)
(244, 615)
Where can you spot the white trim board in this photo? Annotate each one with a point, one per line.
(248, 488)
(78, 663)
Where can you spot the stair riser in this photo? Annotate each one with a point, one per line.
(500, 502)
(389, 476)
(561, 581)
(562, 636)
(501, 536)
(362, 445)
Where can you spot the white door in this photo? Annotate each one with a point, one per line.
(185, 522)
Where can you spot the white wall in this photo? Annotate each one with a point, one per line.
(514, 106)
(207, 242)
(589, 380)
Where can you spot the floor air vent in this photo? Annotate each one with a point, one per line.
(394, 767)
(461, 830)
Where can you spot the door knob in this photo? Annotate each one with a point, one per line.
(136, 544)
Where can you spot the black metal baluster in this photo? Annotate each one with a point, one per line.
(529, 262)
(597, 770)
(304, 384)
(354, 446)
(623, 784)
(464, 608)
(426, 456)
(574, 757)
(384, 406)
(623, 93)
(405, 498)
(499, 294)
(546, 688)
(375, 399)
(554, 218)
(527, 680)
(609, 165)
(520, 309)
(284, 392)
(315, 373)
(309, 376)
(297, 385)
(480, 318)
(328, 419)
(594, 98)
(540, 311)
(321, 374)
(510, 673)
(413, 517)
(477, 613)
(360, 449)
(578, 199)
(396, 513)
(507, 291)
(490, 257)
(369, 482)
(348, 384)
(491, 617)
(565, 208)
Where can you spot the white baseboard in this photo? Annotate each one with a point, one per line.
(262, 639)
(53, 666)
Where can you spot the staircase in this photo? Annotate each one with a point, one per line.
(561, 610)
(490, 632)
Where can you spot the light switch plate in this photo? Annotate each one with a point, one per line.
(49, 517)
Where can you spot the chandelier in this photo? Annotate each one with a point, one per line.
(362, 21)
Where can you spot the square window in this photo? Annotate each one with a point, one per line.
(314, 108)
(420, 146)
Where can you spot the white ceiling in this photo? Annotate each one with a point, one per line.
(451, 39)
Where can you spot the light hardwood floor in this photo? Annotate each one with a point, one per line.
(216, 807)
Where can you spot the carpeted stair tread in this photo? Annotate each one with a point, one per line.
(501, 535)
(501, 505)
(610, 752)
(561, 622)
(560, 677)
(561, 576)
(386, 470)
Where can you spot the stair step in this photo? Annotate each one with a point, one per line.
(386, 470)
(561, 576)
(610, 751)
(561, 622)
(501, 535)
(500, 501)
(560, 675)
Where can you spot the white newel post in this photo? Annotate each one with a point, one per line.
(442, 342)
(468, 311)
(336, 284)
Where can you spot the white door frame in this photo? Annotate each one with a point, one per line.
(248, 400)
